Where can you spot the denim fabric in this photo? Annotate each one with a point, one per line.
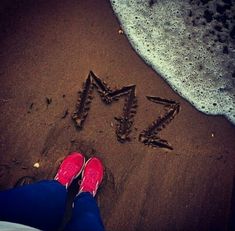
(42, 205)
(86, 214)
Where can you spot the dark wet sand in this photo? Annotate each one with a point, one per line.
(47, 50)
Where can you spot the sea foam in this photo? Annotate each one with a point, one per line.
(191, 44)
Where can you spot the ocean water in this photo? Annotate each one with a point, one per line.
(190, 43)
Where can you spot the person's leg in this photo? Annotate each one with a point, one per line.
(86, 214)
(40, 205)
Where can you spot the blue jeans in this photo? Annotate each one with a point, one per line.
(42, 205)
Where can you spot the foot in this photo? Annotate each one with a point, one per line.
(92, 176)
(70, 168)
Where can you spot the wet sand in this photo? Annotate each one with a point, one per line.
(47, 51)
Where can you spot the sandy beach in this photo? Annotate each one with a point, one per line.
(47, 51)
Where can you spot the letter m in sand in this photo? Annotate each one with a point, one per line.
(108, 95)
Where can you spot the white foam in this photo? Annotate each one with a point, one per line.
(182, 51)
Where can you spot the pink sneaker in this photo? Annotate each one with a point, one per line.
(70, 168)
(92, 176)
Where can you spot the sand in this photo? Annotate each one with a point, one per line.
(47, 51)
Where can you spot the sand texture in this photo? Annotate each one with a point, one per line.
(47, 51)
